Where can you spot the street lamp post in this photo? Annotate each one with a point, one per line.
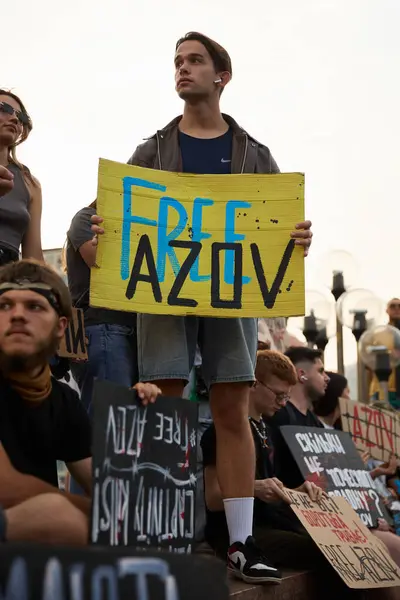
(383, 371)
(360, 309)
(359, 327)
(310, 329)
(338, 270)
(322, 341)
(338, 289)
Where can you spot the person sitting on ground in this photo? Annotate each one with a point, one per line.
(276, 529)
(41, 419)
(327, 408)
(310, 385)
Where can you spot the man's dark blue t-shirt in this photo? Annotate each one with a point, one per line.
(206, 156)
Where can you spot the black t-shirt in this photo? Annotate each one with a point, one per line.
(79, 274)
(206, 156)
(267, 515)
(37, 434)
(285, 466)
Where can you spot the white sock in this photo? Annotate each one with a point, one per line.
(239, 517)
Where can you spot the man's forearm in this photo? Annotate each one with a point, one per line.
(21, 488)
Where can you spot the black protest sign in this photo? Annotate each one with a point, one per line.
(73, 344)
(144, 470)
(37, 572)
(330, 459)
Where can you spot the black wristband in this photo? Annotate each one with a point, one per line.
(3, 526)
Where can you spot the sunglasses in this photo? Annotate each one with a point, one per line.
(395, 305)
(7, 109)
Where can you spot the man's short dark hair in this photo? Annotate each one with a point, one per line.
(33, 272)
(299, 354)
(219, 56)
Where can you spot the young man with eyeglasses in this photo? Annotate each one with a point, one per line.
(205, 141)
(276, 530)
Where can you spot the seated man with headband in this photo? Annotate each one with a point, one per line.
(41, 419)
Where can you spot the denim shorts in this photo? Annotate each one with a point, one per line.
(167, 348)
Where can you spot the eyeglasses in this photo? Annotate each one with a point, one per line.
(279, 396)
(395, 305)
(7, 109)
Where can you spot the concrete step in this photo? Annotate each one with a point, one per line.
(298, 585)
(295, 586)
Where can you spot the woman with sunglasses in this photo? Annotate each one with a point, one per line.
(20, 192)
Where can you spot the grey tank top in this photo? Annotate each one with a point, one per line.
(14, 212)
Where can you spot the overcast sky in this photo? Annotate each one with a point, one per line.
(315, 80)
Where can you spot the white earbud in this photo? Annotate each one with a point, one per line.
(303, 378)
(218, 80)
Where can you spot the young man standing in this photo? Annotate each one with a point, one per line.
(205, 141)
(312, 381)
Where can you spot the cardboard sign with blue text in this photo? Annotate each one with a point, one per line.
(330, 459)
(207, 245)
(144, 470)
(37, 572)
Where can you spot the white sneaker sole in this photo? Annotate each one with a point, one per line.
(247, 579)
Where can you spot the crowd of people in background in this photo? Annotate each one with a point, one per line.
(249, 377)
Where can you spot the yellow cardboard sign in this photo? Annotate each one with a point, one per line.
(207, 245)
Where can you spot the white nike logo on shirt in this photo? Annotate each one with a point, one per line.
(225, 160)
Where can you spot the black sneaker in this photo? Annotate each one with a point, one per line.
(247, 562)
